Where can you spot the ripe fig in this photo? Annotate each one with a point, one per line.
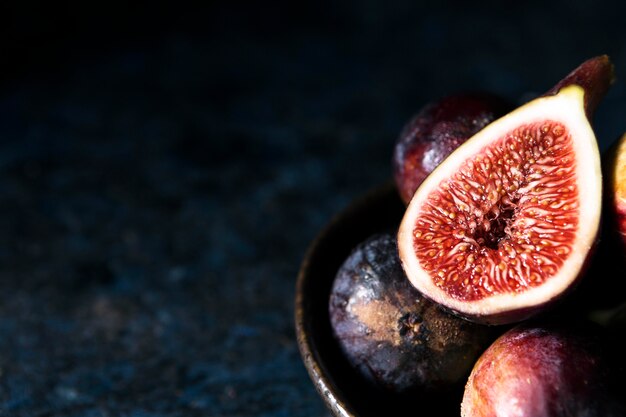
(503, 227)
(390, 334)
(437, 130)
(614, 165)
(544, 370)
(591, 298)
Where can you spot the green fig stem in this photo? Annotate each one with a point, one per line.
(595, 76)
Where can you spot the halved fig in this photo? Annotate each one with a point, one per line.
(615, 171)
(503, 227)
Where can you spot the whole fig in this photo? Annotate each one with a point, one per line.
(438, 129)
(545, 370)
(395, 338)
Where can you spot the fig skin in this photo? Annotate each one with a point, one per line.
(595, 76)
(438, 129)
(544, 370)
(393, 337)
(614, 167)
(601, 292)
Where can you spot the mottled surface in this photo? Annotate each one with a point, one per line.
(157, 196)
(391, 334)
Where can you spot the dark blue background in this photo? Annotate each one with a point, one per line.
(163, 169)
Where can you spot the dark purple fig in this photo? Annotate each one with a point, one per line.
(394, 337)
(545, 370)
(437, 130)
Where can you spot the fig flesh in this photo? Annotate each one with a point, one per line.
(544, 370)
(394, 338)
(503, 227)
(438, 129)
(615, 176)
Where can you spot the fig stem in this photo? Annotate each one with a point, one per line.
(595, 76)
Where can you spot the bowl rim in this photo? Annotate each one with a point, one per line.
(314, 363)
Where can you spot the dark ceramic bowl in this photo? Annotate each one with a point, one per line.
(345, 392)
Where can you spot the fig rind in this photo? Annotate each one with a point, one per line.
(615, 177)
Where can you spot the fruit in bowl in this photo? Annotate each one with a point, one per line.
(397, 339)
(500, 231)
(545, 369)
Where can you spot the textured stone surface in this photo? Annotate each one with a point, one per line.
(157, 197)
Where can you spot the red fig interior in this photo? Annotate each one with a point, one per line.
(482, 233)
(505, 223)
